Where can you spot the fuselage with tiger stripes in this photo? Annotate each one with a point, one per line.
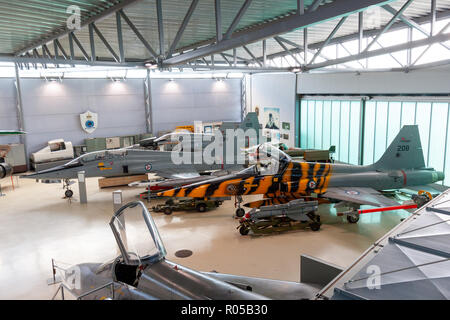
(295, 178)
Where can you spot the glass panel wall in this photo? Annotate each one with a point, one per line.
(337, 121)
(326, 122)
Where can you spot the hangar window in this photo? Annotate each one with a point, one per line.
(328, 122)
(362, 129)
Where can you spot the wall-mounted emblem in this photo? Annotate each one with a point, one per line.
(89, 121)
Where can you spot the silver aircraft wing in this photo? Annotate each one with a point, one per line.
(366, 196)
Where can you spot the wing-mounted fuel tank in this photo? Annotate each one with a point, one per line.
(5, 170)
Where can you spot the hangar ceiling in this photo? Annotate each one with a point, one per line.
(209, 34)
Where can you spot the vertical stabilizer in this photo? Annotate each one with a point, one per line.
(405, 151)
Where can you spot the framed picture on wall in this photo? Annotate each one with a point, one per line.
(271, 118)
(286, 126)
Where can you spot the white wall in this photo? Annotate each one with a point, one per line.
(435, 81)
(275, 90)
(183, 101)
(52, 109)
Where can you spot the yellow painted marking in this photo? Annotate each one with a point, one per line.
(303, 180)
(101, 164)
(248, 185)
(105, 168)
(198, 192)
(169, 193)
(264, 185)
(327, 174)
(222, 191)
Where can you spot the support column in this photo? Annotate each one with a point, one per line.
(148, 103)
(20, 119)
(82, 186)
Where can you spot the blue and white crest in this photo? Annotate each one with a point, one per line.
(89, 121)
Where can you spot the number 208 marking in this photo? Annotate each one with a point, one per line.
(402, 148)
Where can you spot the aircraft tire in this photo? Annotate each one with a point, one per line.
(168, 211)
(240, 212)
(243, 230)
(352, 218)
(201, 207)
(315, 226)
(68, 193)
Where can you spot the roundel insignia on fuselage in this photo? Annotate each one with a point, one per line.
(148, 167)
(312, 184)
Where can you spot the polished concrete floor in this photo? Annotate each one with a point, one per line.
(36, 225)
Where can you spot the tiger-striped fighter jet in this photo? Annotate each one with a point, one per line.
(283, 179)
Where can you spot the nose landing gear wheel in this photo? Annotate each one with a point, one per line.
(68, 193)
(240, 212)
(167, 211)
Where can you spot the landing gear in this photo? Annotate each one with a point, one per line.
(351, 214)
(201, 207)
(353, 218)
(239, 211)
(315, 224)
(68, 194)
(244, 230)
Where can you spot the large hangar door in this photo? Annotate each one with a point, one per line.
(362, 127)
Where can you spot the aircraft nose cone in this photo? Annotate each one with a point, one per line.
(441, 175)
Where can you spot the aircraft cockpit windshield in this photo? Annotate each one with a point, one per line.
(101, 155)
(269, 160)
(136, 235)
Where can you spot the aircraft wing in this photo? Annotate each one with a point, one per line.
(366, 196)
(174, 174)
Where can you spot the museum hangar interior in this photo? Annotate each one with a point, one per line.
(349, 103)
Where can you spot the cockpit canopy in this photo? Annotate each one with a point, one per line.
(136, 235)
(266, 159)
(97, 156)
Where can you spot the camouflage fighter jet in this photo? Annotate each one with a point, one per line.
(283, 180)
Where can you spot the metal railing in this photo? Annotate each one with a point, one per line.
(63, 286)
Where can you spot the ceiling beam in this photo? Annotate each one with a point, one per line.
(185, 22)
(237, 19)
(440, 15)
(106, 63)
(382, 51)
(64, 31)
(325, 12)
